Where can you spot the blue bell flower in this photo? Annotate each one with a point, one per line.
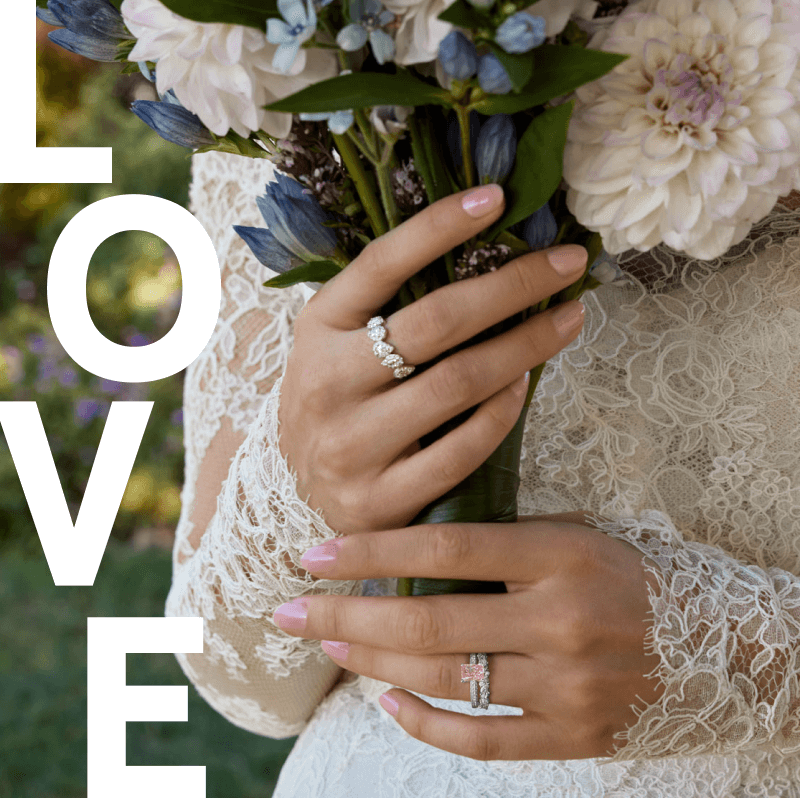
(492, 75)
(496, 149)
(173, 122)
(338, 121)
(454, 138)
(91, 28)
(458, 56)
(521, 32)
(267, 249)
(540, 229)
(368, 17)
(295, 220)
(299, 24)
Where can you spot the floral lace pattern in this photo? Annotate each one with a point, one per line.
(675, 414)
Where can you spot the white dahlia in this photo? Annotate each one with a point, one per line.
(419, 31)
(692, 139)
(557, 13)
(222, 73)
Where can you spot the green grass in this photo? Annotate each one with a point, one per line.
(43, 685)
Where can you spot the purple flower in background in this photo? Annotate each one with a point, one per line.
(36, 344)
(110, 386)
(138, 339)
(68, 378)
(26, 290)
(86, 410)
(176, 417)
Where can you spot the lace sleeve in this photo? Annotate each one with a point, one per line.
(243, 528)
(728, 638)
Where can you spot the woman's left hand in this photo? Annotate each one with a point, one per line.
(566, 644)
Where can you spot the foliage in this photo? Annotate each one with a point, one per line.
(43, 686)
(133, 289)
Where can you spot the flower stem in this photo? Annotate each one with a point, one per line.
(362, 183)
(466, 145)
(384, 172)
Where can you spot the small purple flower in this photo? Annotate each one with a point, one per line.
(68, 378)
(110, 386)
(36, 344)
(138, 339)
(86, 410)
(176, 417)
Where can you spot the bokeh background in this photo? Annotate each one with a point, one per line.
(134, 291)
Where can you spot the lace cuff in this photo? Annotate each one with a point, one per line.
(727, 635)
(247, 564)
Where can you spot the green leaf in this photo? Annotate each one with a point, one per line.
(557, 71)
(539, 163)
(463, 15)
(317, 271)
(253, 13)
(519, 67)
(361, 90)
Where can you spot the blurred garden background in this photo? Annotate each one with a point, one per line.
(133, 289)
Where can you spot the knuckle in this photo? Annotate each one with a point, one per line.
(333, 619)
(454, 381)
(577, 633)
(434, 321)
(449, 468)
(443, 682)
(448, 547)
(418, 630)
(524, 278)
(481, 745)
(501, 416)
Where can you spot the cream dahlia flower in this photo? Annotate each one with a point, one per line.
(419, 32)
(223, 73)
(692, 139)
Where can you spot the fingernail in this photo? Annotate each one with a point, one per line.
(291, 616)
(483, 200)
(321, 558)
(566, 319)
(569, 259)
(389, 704)
(335, 649)
(521, 387)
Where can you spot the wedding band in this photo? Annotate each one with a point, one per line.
(388, 357)
(477, 674)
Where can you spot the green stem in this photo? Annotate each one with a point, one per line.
(353, 136)
(466, 146)
(362, 183)
(421, 163)
(367, 131)
(384, 172)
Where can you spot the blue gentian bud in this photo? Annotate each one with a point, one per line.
(496, 149)
(492, 75)
(173, 123)
(540, 228)
(91, 28)
(521, 32)
(296, 220)
(267, 249)
(606, 269)
(458, 56)
(454, 138)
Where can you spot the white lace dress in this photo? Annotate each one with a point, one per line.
(675, 413)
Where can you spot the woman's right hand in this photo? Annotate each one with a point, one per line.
(350, 430)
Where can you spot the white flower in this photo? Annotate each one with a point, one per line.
(419, 31)
(557, 13)
(222, 73)
(691, 140)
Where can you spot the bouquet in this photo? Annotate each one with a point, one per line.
(612, 125)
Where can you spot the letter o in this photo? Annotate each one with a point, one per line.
(66, 288)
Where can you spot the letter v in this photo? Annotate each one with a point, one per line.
(74, 553)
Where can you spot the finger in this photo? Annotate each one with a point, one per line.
(484, 552)
(438, 676)
(413, 624)
(432, 471)
(484, 738)
(375, 276)
(425, 401)
(457, 312)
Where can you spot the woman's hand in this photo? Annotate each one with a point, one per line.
(351, 431)
(565, 644)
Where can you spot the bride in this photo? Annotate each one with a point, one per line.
(648, 641)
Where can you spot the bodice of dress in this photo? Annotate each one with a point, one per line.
(675, 414)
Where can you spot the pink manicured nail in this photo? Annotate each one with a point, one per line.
(483, 200)
(291, 616)
(567, 260)
(389, 704)
(321, 558)
(335, 649)
(568, 318)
